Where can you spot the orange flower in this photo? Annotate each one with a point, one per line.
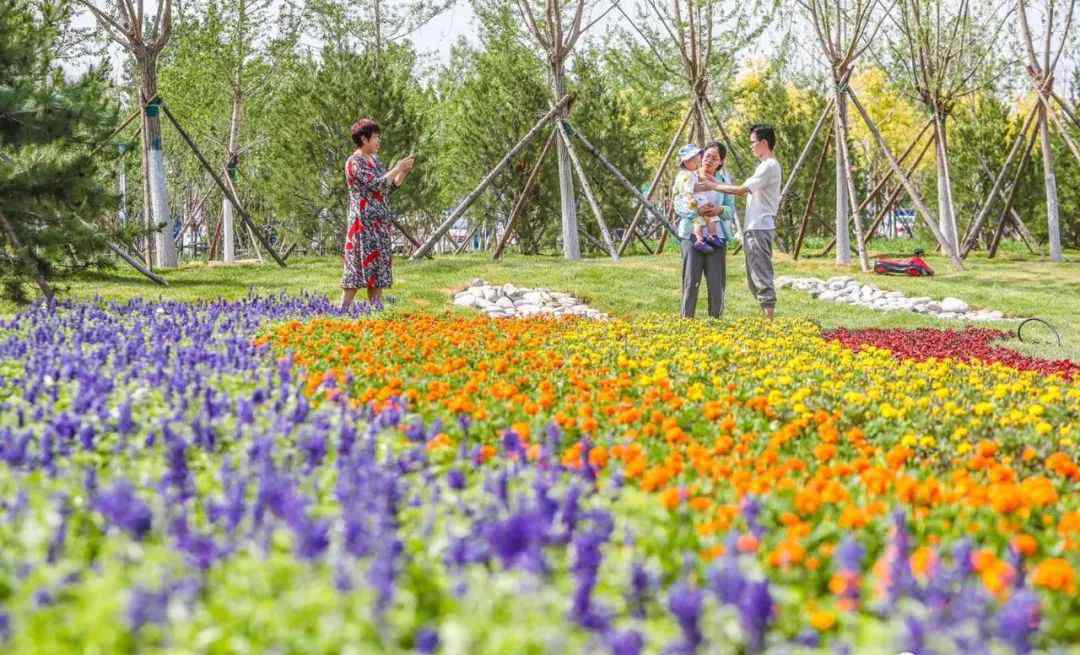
(598, 457)
(822, 620)
(671, 497)
(486, 453)
(1055, 574)
(824, 452)
(1025, 544)
(440, 441)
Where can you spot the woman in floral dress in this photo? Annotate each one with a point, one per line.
(367, 243)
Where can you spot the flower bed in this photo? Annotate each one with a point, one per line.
(968, 344)
(459, 485)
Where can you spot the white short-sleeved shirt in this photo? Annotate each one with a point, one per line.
(764, 201)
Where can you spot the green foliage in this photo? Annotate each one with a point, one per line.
(49, 182)
(479, 89)
(306, 128)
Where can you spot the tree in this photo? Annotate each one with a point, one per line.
(49, 179)
(478, 95)
(944, 48)
(308, 113)
(127, 26)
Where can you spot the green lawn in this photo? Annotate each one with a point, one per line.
(1017, 285)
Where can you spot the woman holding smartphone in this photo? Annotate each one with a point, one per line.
(367, 243)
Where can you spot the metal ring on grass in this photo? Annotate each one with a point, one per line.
(1020, 331)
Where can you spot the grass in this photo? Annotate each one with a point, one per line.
(1017, 285)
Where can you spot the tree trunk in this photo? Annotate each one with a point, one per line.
(1053, 217)
(843, 206)
(164, 245)
(946, 209)
(147, 212)
(701, 136)
(571, 240)
(227, 217)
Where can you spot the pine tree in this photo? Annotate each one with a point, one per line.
(50, 183)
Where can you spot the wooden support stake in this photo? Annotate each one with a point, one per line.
(984, 212)
(118, 130)
(916, 197)
(136, 264)
(884, 179)
(805, 151)
(813, 194)
(1012, 193)
(1025, 233)
(621, 178)
(723, 133)
(209, 169)
(586, 188)
(856, 220)
(653, 185)
(465, 242)
(1062, 129)
(1069, 111)
(475, 193)
(530, 181)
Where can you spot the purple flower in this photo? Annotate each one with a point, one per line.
(849, 555)
(124, 422)
(513, 538)
(628, 642)
(727, 581)
(914, 635)
(751, 510)
(685, 602)
(125, 510)
(427, 641)
(1018, 620)
(586, 567)
(146, 606)
(456, 479)
(755, 610)
(809, 638)
(640, 585)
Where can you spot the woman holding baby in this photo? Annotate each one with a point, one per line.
(705, 224)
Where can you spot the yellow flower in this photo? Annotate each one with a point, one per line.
(1035, 410)
(1043, 427)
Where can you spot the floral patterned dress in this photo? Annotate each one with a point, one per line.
(367, 243)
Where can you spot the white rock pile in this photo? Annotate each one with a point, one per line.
(845, 290)
(508, 301)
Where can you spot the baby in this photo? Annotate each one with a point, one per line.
(690, 195)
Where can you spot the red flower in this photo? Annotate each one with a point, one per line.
(968, 344)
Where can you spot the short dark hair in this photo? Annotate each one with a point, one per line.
(720, 147)
(363, 130)
(764, 132)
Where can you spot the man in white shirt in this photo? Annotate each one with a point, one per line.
(764, 189)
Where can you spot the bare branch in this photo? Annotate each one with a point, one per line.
(1029, 42)
(530, 20)
(166, 26)
(106, 22)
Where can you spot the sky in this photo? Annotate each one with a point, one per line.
(437, 37)
(445, 29)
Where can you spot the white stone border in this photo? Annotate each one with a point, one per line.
(509, 301)
(846, 290)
